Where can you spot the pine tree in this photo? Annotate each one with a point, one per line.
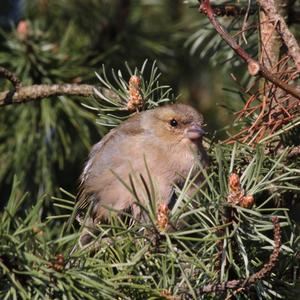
(236, 237)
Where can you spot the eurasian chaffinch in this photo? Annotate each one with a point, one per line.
(166, 140)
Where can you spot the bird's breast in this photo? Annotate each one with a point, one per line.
(184, 158)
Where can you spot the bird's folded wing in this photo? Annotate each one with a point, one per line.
(109, 143)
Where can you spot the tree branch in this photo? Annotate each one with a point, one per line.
(294, 152)
(288, 38)
(38, 92)
(259, 69)
(11, 77)
(232, 10)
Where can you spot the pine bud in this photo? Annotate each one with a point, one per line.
(162, 217)
(234, 183)
(247, 201)
(135, 98)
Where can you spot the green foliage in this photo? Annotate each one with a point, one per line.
(141, 261)
(205, 43)
(37, 138)
(112, 106)
(44, 144)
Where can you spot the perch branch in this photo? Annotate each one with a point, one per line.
(254, 67)
(38, 92)
(288, 38)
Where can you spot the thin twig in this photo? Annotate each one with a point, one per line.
(11, 77)
(295, 151)
(262, 273)
(232, 10)
(254, 67)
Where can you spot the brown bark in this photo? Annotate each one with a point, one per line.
(11, 77)
(274, 31)
(270, 40)
(38, 92)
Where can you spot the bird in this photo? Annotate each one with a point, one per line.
(165, 142)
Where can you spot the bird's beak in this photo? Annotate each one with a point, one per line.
(194, 132)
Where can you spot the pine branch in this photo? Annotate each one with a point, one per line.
(232, 10)
(39, 92)
(11, 77)
(295, 151)
(254, 67)
(129, 264)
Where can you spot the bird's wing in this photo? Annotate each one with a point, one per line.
(128, 128)
(83, 199)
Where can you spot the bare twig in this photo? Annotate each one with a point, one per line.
(38, 92)
(11, 77)
(288, 38)
(232, 10)
(206, 8)
(294, 152)
(267, 268)
(262, 273)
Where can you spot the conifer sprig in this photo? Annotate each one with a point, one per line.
(210, 242)
(113, 107)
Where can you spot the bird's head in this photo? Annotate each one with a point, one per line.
(175, 123)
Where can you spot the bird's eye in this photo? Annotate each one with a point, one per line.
(173, 123)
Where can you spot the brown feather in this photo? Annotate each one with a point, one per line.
(121, 155)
